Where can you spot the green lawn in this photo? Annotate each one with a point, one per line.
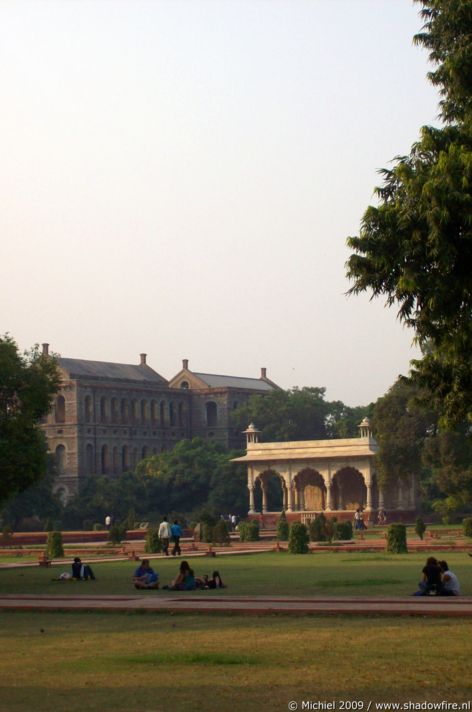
(159, 662)
(323, 574)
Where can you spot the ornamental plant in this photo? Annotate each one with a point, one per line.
(420, 527)
(221, 533)
(54, 547)
(396, 539)
(318, 528)
(282, 528)
(298, 539)
(153, 544)
(467, 526)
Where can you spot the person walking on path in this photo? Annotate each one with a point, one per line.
(108, 521)
(176, 530)
(165, 534)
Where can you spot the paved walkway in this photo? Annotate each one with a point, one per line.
(159, 601)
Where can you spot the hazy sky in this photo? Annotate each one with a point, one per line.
(179, 178)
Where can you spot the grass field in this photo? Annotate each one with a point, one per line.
(159, 662)
(323, 574)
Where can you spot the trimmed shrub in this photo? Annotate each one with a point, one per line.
(298, 539)
(282, 528)
(420, 527)
(249, 530)
(344, 530)
(206, 532)
(54, 547)
(396, 539)
(331, 528)
(221, 533)
(317, 528)
(467, 526)
(153, 544)
(117, 533)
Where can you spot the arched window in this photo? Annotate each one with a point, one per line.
(153, 413)
(103, 409)
(143, 412)
(162, 408)
(61, 459)
(124, 458)
(115, 463)
(124, 410)
(211, 414)
(89, 459)
(114, 410)
(171, 414)
(88, 409)
(60, 409)
(184, 384)
(181, 414)
(134, 411)
(144, 452)
(105, 460)
(134, 457)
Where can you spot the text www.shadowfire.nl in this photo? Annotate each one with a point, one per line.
(370, 706)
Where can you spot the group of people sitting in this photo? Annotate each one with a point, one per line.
(438, 580)
(146, 577)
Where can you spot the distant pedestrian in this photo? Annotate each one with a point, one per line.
(165, 534)
(234, 522)
(176, 530)
(108, 521)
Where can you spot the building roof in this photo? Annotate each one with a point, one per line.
(215, 381)
(308, 450)
(81, 369)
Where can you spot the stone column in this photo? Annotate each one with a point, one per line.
(251, 499)
(329, 498)
(368, 504)
(264, 497)
(291, 498)
(381, 498)
(285, 496)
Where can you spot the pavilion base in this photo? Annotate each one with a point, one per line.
(269, 520)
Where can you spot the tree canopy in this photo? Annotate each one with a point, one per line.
(415, 246)
(28, 383)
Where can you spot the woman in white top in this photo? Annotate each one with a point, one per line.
(450, 582)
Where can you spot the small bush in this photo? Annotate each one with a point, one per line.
(206, 532)
(420, 527)
(396, 539)
(98, 527)
(344, 530)
(467, 526)
(54, 547)
(221, 533)
(318, 528)
(249, 530)
(282, 528)
(153, 545)
(117, 533)
(298, 539)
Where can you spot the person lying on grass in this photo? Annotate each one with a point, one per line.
(145, 576)
(213, 582)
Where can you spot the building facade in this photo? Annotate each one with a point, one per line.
(108, 416)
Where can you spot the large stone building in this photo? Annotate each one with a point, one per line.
(109, 416)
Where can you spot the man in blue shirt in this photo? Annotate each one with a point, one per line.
(176, 530)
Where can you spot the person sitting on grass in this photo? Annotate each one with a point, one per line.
(431, 583)
(145, 576)
(185, 579)
(80, 571)
(450, 582)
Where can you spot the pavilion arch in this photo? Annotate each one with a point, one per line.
(270, 491)
(349, 490)
(309, 490)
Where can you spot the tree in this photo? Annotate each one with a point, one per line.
(415, 246)
(28, 383)
(37, 500)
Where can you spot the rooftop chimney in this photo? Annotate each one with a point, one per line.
(263, 373)
(143, 359)
(45, 349)
(185, 363)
